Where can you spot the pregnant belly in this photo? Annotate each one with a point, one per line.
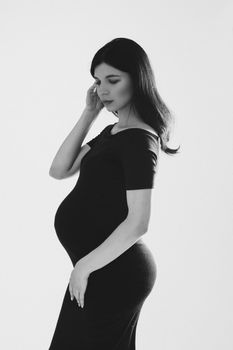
(82, 226)
(74, 229)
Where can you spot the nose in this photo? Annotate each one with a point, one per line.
(103, 93)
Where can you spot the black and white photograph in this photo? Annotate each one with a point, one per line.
(117, 168)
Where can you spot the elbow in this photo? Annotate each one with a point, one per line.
(138, 226)
(143, 228)
(55, 174)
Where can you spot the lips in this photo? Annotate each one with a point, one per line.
(107, 101)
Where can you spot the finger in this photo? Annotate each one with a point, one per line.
(76, 294)
(81, 298)
(71, 293)
(92, 86)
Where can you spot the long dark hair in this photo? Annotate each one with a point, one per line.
(128, 56)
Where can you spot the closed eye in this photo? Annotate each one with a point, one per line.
(112, 82)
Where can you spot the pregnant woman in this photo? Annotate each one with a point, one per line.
(102, 220)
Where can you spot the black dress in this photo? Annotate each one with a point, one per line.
(94, 208)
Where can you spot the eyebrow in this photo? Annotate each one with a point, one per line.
(110, 75)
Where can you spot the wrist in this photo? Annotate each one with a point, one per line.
(82, 265)
(92, 113)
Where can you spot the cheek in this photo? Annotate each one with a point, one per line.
(124, 92)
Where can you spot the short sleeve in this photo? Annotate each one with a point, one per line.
(138, 157)
(93, 141)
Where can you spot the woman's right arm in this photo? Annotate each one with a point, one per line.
(71, 147)
(68, 158)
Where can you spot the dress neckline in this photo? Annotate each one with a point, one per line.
(119, 132)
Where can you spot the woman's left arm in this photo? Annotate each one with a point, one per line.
(122, 238)
(125, 235)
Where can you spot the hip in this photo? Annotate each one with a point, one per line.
(125, 282)
(136, 263)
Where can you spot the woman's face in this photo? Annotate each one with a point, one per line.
(114, 85)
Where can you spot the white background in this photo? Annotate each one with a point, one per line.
(46, 48)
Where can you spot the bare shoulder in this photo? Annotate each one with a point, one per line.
(147, 127)
(138, 125)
